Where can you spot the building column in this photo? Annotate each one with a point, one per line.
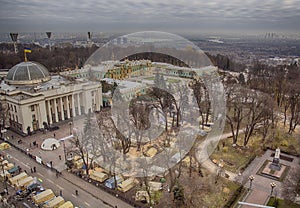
(42, 116)
(85, 102)
(55, 110)
(68, 106)
(62, 113)
(49, 111)
(78, 102)
(73, 106)
(98, 99)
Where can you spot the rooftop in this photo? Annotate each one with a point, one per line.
(27, 73)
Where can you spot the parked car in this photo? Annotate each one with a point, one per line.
(21, 194)
(35, 187)
(53, 128)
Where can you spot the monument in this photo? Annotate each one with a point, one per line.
(275, 165)
(273, 169)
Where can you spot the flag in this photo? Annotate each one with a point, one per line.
(27, 50)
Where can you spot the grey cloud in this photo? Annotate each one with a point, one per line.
(130, 13)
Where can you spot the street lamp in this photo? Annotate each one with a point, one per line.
(273, 185)
(65, 153)
(251, 178)
(173, 117)
(70, 124)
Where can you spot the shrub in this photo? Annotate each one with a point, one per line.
(284, 143)
(235, 196)
(248, 162)
(292, 150)
(225, 149)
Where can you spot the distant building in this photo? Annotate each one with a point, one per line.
(36, 99)
(128, 89)
(126, 74)
(112, 69)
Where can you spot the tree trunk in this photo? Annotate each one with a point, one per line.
(190, 168)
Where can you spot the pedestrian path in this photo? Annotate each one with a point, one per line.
(31, 145)
(256, 197)
(214, 168)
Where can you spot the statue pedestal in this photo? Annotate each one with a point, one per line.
(275, 165)
(273, 170)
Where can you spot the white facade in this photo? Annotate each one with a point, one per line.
(59, 99)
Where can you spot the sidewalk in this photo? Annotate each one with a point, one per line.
(106, 198)
(209, 165)
(256, 197)
(46, 156)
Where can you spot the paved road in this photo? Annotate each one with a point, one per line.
(89, 196)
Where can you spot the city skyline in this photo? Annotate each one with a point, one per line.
(171, 16)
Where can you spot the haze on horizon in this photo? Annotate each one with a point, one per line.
(133, 15)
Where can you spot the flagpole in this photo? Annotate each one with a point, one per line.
(25, 56)
(26, 50)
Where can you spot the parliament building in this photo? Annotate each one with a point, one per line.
(36, 100)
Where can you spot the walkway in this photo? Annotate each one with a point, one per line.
(256, 197)
(212, 167)
(39, 137)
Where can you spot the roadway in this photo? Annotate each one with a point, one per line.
(89, 195)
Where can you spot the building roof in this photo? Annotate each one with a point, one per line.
(57, 84)
(27, 73)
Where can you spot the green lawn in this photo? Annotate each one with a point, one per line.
(286, 142)
(282, 203)
(235, 159)
(221, 195)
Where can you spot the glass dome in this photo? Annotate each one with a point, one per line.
(27, 73)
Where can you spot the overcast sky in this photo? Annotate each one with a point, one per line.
(135, 15)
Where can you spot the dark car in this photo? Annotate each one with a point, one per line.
(53, 128)
(34, 187)
(21, 194)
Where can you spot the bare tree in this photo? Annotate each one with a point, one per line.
(235, 109)
(294, 100)
(202, 98)
(183, 100)
(88, 143)
(4, 112)
(163, 101)
(259, 112)
(139, 116)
